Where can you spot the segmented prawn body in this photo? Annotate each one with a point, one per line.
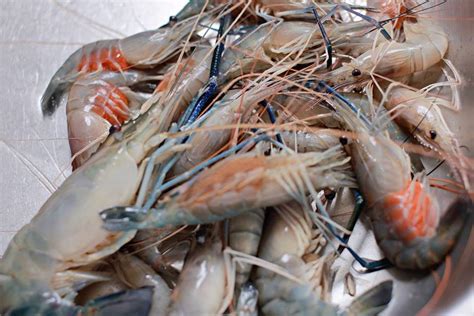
(96, 103)
(245, 232)
(424, 47)
(404, 214)
(310, 141)
(142, 50)
(287, 238)
(204, 272)
(236, 185)
(136, 274)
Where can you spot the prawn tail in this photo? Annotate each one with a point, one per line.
(136, 302)
(51, 99)
(424, 253)
(60, 84)
(373, 301)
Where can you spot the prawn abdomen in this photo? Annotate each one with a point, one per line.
(409, 250)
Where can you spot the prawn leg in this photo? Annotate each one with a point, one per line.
(367, 264)
(271, 114)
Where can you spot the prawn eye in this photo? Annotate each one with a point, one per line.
(330, 195)
(343, 140)
(173, 19)
(433, 134)
(356, 72)
(113, 129)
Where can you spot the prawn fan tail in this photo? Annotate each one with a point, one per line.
(60, 83)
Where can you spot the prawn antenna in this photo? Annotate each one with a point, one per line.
(374, 22)
(324, 87)
(212, 86)
(327, 41)
(436, 167)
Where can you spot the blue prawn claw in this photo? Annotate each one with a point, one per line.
(121, 218)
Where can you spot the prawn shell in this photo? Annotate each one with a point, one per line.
(411, 213)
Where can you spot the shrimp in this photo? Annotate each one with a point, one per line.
(142, 50)
(302, 141)
(235, 107)
(404, 214)
(236, 185)
(288, 237)
(424, 47)
(244, 236)
(421, 117)
(55, 240)
(96, 103)
(135, 273)
(204, 273)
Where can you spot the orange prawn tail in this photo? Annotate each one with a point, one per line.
(407, 227)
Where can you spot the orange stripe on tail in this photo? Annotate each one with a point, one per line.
(111, 59)
(411, 212)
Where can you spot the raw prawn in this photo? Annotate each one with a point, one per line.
(421, 116)
(204, 273)
(96, 103)
(142, 50)
(288, 236)
(424, 47)
(405, 216)
(235, 185)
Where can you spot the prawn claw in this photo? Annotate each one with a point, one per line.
(121, 218)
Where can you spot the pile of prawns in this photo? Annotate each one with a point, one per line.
(208, 154)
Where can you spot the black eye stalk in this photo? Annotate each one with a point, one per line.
(433, 134)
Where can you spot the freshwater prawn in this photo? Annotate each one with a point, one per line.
(234, 186)
(43, 247)
(98, 103)
(290, 241)
(404, 214)
(143, 50)
(424, 47)
(421, 116)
